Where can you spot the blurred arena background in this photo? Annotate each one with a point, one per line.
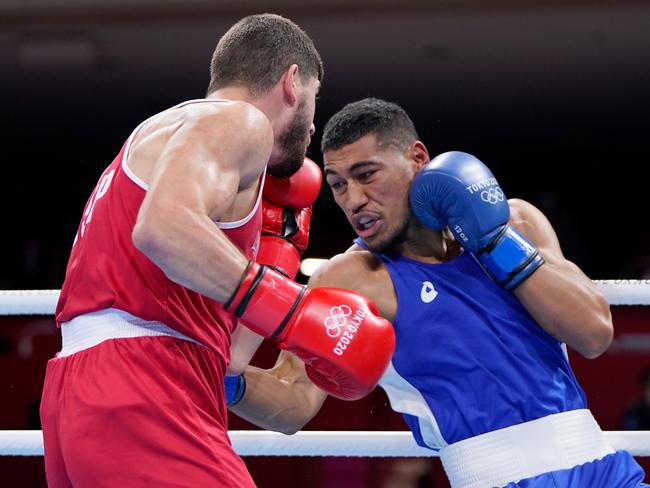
(552, 95)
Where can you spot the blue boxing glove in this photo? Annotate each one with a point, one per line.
(458, 191)
(235, 387)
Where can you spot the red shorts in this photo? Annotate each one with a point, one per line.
(138, 412)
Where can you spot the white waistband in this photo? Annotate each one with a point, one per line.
(558, 441)
(90, 329)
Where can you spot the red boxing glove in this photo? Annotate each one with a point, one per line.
(345, 344)
(287, 208)
(298, 191)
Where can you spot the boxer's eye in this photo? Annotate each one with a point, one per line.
(335, 185)
(365, 175)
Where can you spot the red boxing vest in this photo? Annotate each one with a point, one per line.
(105, 269)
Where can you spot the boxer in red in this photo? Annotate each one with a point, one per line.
(163, 266)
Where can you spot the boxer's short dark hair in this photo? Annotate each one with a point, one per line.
(387, 120)
(258, 49)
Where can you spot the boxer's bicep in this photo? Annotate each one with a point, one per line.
(559, 296)
(204, 165)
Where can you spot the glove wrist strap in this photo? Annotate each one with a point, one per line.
(510, 258)
(235, 388)
(247, 284)
(264, 300)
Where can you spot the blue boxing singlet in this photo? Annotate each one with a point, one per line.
(469, 358)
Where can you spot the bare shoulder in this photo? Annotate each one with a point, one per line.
(241, 114)
(233, 133)
(531, 222)
(348, 270)
(521, 209)
(231, 121)
(360, 271)
(525, 213)
(224, 116)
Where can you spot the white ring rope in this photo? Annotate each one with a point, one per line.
(28, 302)
(43, 302)
(314, 443)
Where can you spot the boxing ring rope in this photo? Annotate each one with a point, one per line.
(43, 302)
(316, 443)
(312, 443)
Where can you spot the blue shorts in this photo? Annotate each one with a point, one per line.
(618, 470)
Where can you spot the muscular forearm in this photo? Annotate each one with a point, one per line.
(281, 399)
(569, 307)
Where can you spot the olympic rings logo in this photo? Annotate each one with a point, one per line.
(336, 319)
(493, 195)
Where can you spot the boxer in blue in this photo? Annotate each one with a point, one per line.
(482, 301)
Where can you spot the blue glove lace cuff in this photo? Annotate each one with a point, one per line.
(510, 259)
(235, 387)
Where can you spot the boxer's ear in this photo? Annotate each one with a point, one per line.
(290, 85)
(419, 154)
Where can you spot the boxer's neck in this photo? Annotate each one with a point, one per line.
(427, 245)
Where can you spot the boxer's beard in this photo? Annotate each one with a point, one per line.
(293, 144)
